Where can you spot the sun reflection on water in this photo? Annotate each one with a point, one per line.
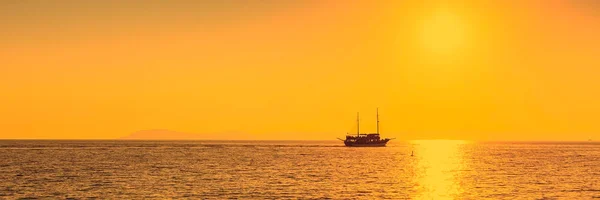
(438, 167)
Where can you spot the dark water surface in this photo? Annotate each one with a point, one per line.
(293, 169)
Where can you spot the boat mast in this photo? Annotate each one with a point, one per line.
(377, 120)
(357, 124)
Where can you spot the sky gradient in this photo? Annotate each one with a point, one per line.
(470, 70)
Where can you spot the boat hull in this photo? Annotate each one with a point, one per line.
(368, 144)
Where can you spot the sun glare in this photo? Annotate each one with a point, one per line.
(439, 164)
(442, 32)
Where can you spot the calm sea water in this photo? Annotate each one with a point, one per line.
(292, 170)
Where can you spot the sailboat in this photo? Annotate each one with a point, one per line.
(365, 139)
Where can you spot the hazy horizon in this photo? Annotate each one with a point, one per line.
(301, 69)
(166, 135)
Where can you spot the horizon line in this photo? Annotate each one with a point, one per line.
(119, 139)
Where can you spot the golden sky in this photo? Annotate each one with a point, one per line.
(472, 70)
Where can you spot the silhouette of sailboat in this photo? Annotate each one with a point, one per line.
(365, 139)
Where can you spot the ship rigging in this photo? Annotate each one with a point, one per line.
(365, 139)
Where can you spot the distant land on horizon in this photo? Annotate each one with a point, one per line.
(164, 134)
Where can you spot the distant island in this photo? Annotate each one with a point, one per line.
(163, 134)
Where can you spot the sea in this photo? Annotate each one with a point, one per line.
(426, 169)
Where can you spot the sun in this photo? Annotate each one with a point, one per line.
(443, 32)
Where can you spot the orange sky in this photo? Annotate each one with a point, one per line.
(473, 70)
